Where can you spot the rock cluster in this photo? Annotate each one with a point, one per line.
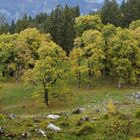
(134, 96)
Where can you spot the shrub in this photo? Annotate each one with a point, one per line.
(106, 116)
(2, 117)
(111, 107)
(1, 107)
(137, 113)
(87, 128)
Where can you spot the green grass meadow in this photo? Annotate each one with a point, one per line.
(27, 106)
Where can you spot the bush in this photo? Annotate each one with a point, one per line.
(111, 107)
(87, 128)
(1, 107)
(137, 113)
(2, 117)
(106, 116)
(123, 116)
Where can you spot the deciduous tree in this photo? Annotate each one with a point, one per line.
(93, 53)
(48, 69)
(125, 57)
(88, 22)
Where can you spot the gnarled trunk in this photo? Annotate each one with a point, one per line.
(89, 76)
(46, 97)
(79, 80)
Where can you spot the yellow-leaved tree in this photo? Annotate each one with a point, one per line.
(88, 22)
(49, 69)
(77, 66)
(125, 57)
(93, 53)
(7, 54)
(26, 47)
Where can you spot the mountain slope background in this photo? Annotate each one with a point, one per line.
(14, 9)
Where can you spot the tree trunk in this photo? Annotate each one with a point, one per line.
(79, 80)
(16, 77)
(89, 76)
(119, 84)
(89, 80)
(46, 97)
(17, 74)
(88, 85)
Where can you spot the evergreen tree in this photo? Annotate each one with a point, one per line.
(40, 22)
(12, 27)
(2, 20)
(4, 28)
(55, 26)
(22, 23)
(130, 11)
(122, 9)
(77, 11)
(61, 25)
(110, 13)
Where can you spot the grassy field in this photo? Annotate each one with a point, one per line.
(20, 100)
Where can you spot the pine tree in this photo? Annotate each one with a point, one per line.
(61, 25)
(130, 11)
(110, 13)
(12, 27)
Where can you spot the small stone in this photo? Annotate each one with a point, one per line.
(1, 130)
(79, 123)
(51, 126)
(25, 135)
(88, 106)
(97, 110)
(86, 118)
(78, 111)
(53, 116)
(12, 116)
(40, 131)
(82, 119)
(137, 95)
